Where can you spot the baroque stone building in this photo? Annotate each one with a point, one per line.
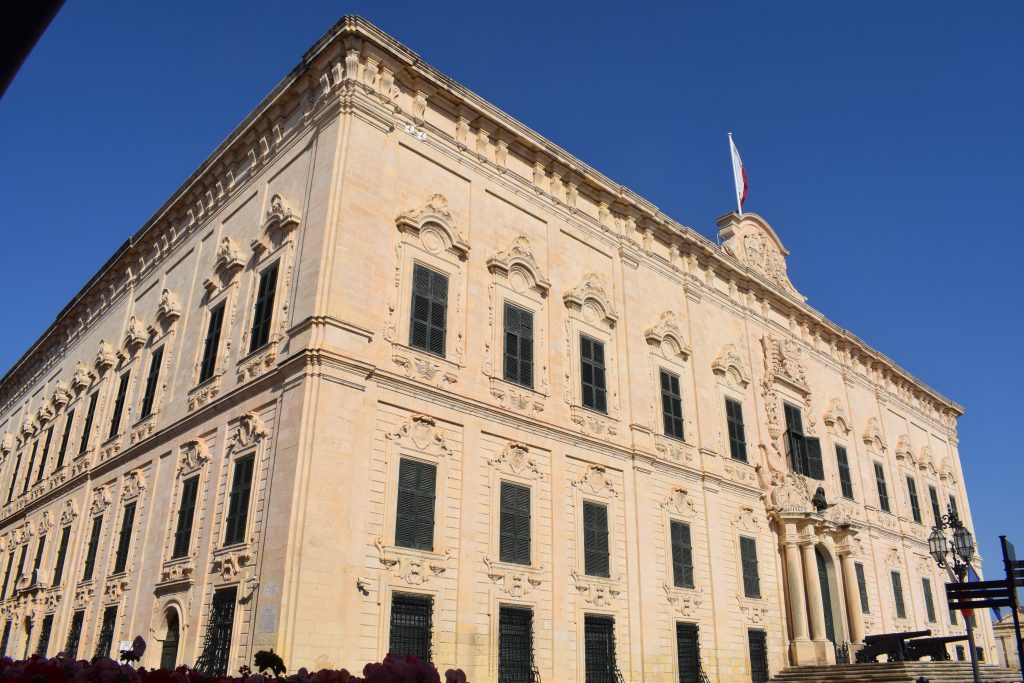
(392, 371)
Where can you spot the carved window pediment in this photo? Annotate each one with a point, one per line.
(280, 221)
(135, 336)
(134, 485)
(835, 418)
(872, 436)
(194, 454)
(591, 301)
(167, 312)
(679, 503)
(596, 481)
(421, 434)
(667, 336)
(105, 357)
(250, 430)
(227, 264)
(515, 459)
(435, 227)
(518, 266)
(101, 500)
(730, 367)
(81, 378)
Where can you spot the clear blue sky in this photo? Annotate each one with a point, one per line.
(882, 141)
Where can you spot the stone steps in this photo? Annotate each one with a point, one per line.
(895, 672)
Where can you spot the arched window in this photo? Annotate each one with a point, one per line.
(169, 652)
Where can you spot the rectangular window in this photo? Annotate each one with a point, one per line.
(515, 524)
(106, 637)
(429, 313)
(74, 636)
(186, 515)
(929, 603)
(751, 576)
(952, 506)
(599, 649)
(595, 539)
(933, 495)
(238, 505)
(124, 539)
(44, 635)
(952, 617)
(671, 405)
(6, 639)
(682, 555)
(757, 642)
(28, 470)
(414, 516)
(862, 587)
(94, 542)
(883, 490)
(115, 419)
(515, 645)
(518, 345)
(21, 562)
(804, 451)
(151, 382)
(915, 505)
(263, 311)
(46, 451)
(62, 553)
(87, 427)
(411, 617)
(212, 344)
(592, 374)
(68, 423)
(737, 434)
(14, 478)
(216, 652)
(40, 547)
(845, 481)
(7, 575)
(897, 594)
(688, 652)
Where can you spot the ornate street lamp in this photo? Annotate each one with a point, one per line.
(938, 547)
(963, 553)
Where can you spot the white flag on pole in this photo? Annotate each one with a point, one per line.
(739, 175)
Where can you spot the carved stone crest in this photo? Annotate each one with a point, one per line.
(81, 378)
(135, 335)
(519, 258)
(790, 494)
(751, 241)
(421, 433)
(68, 512)
(100, 500)
(105, 357)
(595, 480)
(515, 458)
(134, 484)
(194, 454)
(250, 429)
(679, 502)
(281, 219)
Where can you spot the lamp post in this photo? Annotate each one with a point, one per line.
(963, 553)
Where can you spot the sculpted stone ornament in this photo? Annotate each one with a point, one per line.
(751, 241)
(835, 417)
(7, 443)
(520, 257)
(280, 221)
(515, 458)
(873, 436)
(105, 357)
(790, 494)
(134, 484)
(729, 366)
(228, 262)
(595, 479)
(100, 500)
(169, 309)
(81, 379)
(435, 212)
(194, 454)
(135, 335)
(592, 290)
(68, 512)
(686, 601)
(230, 564)
(668, 331)
(250, 430)
(598, 594)
(421, 433)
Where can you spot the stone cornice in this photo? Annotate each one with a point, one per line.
(355, 54)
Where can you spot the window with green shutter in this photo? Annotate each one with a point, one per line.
(14, 477)
(929, 603)
(428, 318)
(105, 641)
(31, 466)
(518, 365)
(414, 517)
(897, 594)
(186, 515)
(595, 539)
(62, 553)
(804, 451)
(737, 433)
(44, 635)
(94, 542)
(211, 345)
(952, 506)
(671, 405)
(751, 574)
(883, 490)
(124, 539)
(68, 423)
(6, 638)
(149, 396)
(592, 375)
(933, 494)
(115, 419)
(682, 555)
(515, 524)
(46, 452)
(862, 587)
(845, 481)
(7, 575)
(263, 310)
(915, 505)
(238, 502)
(87, 427)
(74, 635)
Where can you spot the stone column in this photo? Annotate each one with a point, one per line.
(852, 591)
(813, 584)
(797, 609)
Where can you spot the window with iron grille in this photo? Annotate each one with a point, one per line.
(238, 503)
(883, 489)
(115, 419)
(960, 656)
(518, 345)
(915, 505)
(124, 539)
(751, 576)
(87, 427)
(62, 553)
(845, 481)
(186, 515)
(595, 539)
(929, 603)
(263, 311)
(7, 575)
(592, 374)
(682, 554)
(599, 648)
(804, 451)
(862, 587)
(515, 524)
(933, 494)
(952, 506)
(757, 641)
(411, 617)
(515, 645)
(106, 637)
(68, 423)
(737, 434)
(74, 635)
(46, 452)
(428, 318)
(94, 542)
(216, 652)
(671, 405)
(151, 382)
(169, 647)
(211, 345)
(414, 516)
(688, 652)
(44, 635)
(14, 478)
(28, 470)
(897, 594)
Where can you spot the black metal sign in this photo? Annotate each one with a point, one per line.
(979, 594)
(1014, 579)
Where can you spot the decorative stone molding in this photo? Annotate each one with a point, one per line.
(29, 428)
(435, 226)
(83, 596)
(385, 557)
(258, 363)
(7, 443)
(250, 430)
(835, 418)
(135, 335)
(420, 433)
(205, 392)
(924, 458)
(515, 459)
(167, 312)
(80, 465)
(873, 436)
(68, 512)
(178, 571)
(753, 614)
(101, 500)
(229, 564)
(746, 519)
(514, 580)
(904, 451)
(673, 449)
(430, 368)
(143, 429)
(133, 485)
(61, 395)
(946, 471)
(81, 378)
(595, 481)
(596, 592)
(519, 267)
(687, 602)
(114, 589)
(105, 357)
(46, 412)
(413, 567)
(227, 264)
(280, 221)
(789, 494)
(751, 241)
(194, 454)
(783, 360)
(45, 522)
(892, 558)
(591, 291)
(668, 336)
(729, 366)
(679, 503)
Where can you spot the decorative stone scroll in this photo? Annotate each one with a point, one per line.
(81, 378)
(167, 312)
(595, 480)
(596, 593)
(194, 454)
(135, 335)
(729, 366)
(250, 429)
(591, 291)
(424, 222)
(101, 500)
(227, 263)
(872, 436)
(420, 433)
(515, 459)
(835, 418)
(105, 357)
(679, 503)
(134, 485)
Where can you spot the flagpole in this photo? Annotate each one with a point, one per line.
(732, 161)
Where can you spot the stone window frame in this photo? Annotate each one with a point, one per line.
(747, 523)
(668, 350)
(163, 605)
(529, 477)
(222, 287)
(101, 504)
(595, 485)
(125, 359)
(517, 279)
(160, 335)
(732, 381)
(387, 591)
(495, 603)
(589, 312)
(132, 489)
(680, 506)
(428, 236)
(193, 459)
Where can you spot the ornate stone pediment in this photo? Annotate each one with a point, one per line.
(135, 335)
(679, 502)
(81, 377)
(100, 500)
(194, 454)
(134, 484)
(228, 261)
(667, 335)
(420, 433)
(230, 564)
(7, 443)
(835, 417)
(783, 360)
(68, 512)
(595, 480)
(729, 366)
(168, 311)
(435, 225)
(281, 219)
(45, 412)
(751, 241)
(61, 395)
(873, 435)
(250, 430)
(515, 458)
(519, 266)
(592, 301)
(904, 451)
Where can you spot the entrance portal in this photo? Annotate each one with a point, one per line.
(826, 596)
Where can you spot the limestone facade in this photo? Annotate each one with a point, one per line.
(363, 164)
